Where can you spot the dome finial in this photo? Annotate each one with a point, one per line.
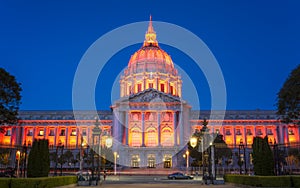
(150, 37)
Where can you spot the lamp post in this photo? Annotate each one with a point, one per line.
(25, 159)
(275, 151)
(96, 134)
(186, 155)
(59, 146)
(18, 162)
(115, 162)
(242, 156)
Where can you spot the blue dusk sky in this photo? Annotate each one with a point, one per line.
(256, 44)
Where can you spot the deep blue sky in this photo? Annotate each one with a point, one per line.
(255, 42)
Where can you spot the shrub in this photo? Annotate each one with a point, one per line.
(296, 181)
(48, 182)
(260, 181)
(5, 182)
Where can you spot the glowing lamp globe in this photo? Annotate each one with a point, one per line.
(193, 142)
(108, 142)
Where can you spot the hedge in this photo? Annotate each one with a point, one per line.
(46, 182)
(264, 181)
(5, 182)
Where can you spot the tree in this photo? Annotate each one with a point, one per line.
(263, 159)
(39, 159)
(221, 148)
(288, 98)
(68, 155)
(10, 98)
(4, 156)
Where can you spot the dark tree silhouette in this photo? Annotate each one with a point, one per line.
(288, 98)
(10, 98)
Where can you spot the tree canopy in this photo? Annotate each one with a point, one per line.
(10, 98)
(288, 98)
(39, 159)
(263, 159)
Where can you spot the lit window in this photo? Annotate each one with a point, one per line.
(151, 138)
(291, 132)
(136, 136)
(238, 132)
(73, 132)
(167, 137)
(41, 132)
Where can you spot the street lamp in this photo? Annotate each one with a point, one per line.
(18, 162)
(96, 134)
(186, 155)
(242, 156)
(115, 162)
(61, 147)
(25, 159)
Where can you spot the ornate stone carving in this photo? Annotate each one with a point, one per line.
(153, 96)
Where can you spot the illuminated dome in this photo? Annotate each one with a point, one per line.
(150, 67)
(150, 58)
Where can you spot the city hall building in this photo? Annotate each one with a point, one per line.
(150, 123)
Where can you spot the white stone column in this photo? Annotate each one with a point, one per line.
(180, 124)
(158, 128)
(143, 129)
(174, 128)
(126, 127)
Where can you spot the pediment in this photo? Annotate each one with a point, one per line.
(152, 95)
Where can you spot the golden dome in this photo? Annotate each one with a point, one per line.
(150, 58)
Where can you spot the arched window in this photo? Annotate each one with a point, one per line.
(136, 137)
(151, 137)
(167, 138)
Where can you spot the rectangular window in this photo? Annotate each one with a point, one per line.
(139, 87)
(73, 132)
(41, 132)
(83, 132)
(29, 132)
(269, 132)
(51, 132)
(171, 90)
(259, 132)
(227, 132)
(238, 132)
(249, 132)
(8, 132)
(62, 132)
(129, 90)
(150, 85)
(162, 87)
